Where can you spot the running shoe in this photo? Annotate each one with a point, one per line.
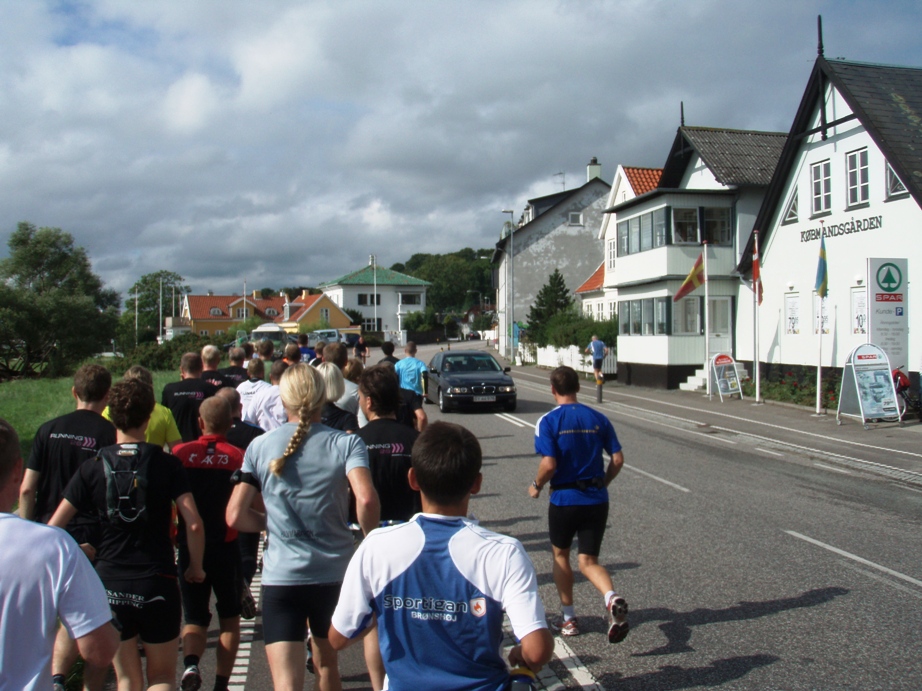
(566, 628)
(191, 679)
(617, 612)
(247, 603)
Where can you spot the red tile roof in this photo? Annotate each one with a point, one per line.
(643, 179)
(200, 306)
(595, 281)
(300, 307)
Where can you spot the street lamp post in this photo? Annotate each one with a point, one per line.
(511, 258)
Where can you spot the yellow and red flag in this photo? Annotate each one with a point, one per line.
(696, 278)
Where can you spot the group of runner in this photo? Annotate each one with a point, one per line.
(302, 482)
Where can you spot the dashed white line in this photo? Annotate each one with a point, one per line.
(517, 421)
(855, 557)
(657, 478)
(238, 676)
(773, 453)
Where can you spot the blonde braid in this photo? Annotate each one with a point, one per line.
(301, 389)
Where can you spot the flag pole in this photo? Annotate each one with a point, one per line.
(755, 296)
(707, 332)
(819, 362)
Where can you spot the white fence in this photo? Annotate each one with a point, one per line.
(573, 356)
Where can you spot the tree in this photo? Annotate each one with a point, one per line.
(147, 291)
(54, 311)
(552, 299)
(455, 277)
(355, 316)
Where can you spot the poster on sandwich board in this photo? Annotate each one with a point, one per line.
(867, 390)
(724, 376)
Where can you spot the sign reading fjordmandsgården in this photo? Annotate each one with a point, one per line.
(888, 308)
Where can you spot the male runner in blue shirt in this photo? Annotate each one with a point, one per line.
(571, 440)
(599, 350)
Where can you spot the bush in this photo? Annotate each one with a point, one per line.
(798, 388)
(158, 357)
(572, 327)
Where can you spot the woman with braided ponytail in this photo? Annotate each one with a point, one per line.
(303, 470)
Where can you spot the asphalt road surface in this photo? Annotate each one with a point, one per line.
(753, 555)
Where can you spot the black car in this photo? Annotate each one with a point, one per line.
(469, 378)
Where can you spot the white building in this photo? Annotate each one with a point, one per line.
(384, 297)
(559, 231)
(598, 295)
(851, 172)
(710, 190)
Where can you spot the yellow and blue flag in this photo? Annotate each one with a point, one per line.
(822, 275)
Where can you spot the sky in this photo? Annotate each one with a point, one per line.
(283, 142)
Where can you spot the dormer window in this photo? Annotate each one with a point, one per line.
(272, 312)
(790, 214)
(895, 186)
(215, 312)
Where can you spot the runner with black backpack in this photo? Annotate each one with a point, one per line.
(131, 486)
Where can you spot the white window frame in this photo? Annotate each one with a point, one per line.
(858, 185)
(242, 312)
(895, 186)
(612, 253)
(574, 218)
(821, 187)
(215, 312)
(686, 317)
(325, 314)
(790, 212)
(675, 238)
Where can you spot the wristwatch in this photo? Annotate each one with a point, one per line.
(534, 483)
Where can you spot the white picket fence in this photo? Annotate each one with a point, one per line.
(572, 356)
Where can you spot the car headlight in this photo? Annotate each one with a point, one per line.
(457, 389)
(507, 389)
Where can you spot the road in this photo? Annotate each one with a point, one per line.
(759, 550)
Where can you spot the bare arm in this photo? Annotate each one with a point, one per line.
(367, 505)
(338, 641)
(27, 492)
(534, 651)
(241, 514)
(195, 537)
(546, 470)
(98, 647)
(617, 462)
(64, 513)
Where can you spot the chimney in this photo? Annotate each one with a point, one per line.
(256, 295)
(287, 310)
(594, 169)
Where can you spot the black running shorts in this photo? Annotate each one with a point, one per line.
(587, 523)
(222, 575)
(287, 609)
(145, 607)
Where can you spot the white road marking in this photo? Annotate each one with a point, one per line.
(680, 429)
(854, 557)
(835, 470)
(238, 677)
(518, 422)
(575, 666)
(773, 453)
(655, 477)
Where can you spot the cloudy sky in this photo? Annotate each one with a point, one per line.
(283, 141)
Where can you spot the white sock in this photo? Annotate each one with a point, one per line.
(608, 596)
(568, 612)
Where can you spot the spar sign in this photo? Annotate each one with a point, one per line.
(888, 308)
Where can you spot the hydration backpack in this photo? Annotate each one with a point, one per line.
(126, 467)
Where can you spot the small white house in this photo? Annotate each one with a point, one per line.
(384, 297)
(710, 190)
(850, 173)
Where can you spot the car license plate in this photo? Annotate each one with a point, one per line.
(484, 399)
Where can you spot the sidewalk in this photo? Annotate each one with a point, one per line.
(885, 444)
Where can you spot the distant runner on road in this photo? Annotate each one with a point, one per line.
(599, 350)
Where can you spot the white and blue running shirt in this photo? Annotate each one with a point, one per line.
(438, 586)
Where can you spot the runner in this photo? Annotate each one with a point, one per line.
(256, 381)
(185, 396)
(236, 373)
(211, 359)
(303, 470)
(332, 414)
(439, 584)
(360, 350)
(135, 554)
(265, 409)
(571, 440)
(43, 578)
(411, 371)
(161, 430)
(59, 448)
(211, 462)
(388, 349)
(599, 350)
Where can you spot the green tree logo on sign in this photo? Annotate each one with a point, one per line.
(889, 277)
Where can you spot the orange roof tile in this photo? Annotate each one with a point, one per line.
(200, 306)
(595, 281)
(643, 180)
(300, 307)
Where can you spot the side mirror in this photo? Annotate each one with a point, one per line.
(433, 370)
(507, 369)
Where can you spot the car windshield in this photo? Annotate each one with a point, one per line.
(470, 363)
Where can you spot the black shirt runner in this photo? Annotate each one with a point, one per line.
(389, 445)
(183, 398)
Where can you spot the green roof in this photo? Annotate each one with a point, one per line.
(366, 276)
